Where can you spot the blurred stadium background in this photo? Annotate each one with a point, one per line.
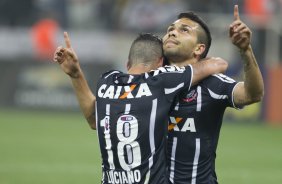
(43, 136)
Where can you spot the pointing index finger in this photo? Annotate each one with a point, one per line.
(236, 13)
(67, 40)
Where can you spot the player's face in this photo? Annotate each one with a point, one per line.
(181, 39)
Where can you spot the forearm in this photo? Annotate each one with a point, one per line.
(207, 67)
(85, 98)
(253, 81)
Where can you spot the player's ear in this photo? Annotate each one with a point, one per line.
(161, 62)
(199, 50)
(128, 65)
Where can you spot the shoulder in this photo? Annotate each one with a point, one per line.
(167, 70)
(219, 86)
(109, 73)
(218, 79)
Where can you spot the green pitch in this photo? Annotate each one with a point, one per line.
(60, 148)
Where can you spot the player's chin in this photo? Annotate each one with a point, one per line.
(170, 46)
(170, 51)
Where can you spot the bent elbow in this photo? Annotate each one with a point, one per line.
(221, 64)
(258, 97)
(93, 127)
(91, 122)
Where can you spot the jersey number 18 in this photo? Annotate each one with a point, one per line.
(128, 149)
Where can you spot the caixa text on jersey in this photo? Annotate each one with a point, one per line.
(124, 92)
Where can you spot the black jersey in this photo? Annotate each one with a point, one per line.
(132, 115)
(194, 128)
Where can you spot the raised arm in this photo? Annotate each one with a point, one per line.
(251, 90)
(207, 67)
(69, 63)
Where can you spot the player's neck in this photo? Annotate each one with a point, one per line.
(138, 69)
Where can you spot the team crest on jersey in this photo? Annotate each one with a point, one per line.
(192, 95)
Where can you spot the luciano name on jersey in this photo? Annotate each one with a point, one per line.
(123, 176)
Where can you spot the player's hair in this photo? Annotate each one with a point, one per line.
(204, 35)
(146, 48)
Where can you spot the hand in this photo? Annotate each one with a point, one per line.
(67, 58)
(239, 33)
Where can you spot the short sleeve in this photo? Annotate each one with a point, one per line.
(221, 87)
(174, 79)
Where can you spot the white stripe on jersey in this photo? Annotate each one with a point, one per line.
(146, 75)
(96, 116)
(199, 98)
(151, 137)
(176, 106)
(192, 74)
(108, 141)
(171, 90)
(108, 109)
(127, 108)
(196, 160)
(112, 73)
(130, 79)
(233, 103)
(224, 78)
(103, 176)
(216, 96)
(172, 163)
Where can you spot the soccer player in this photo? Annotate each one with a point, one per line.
(196, 119)
(132, 108)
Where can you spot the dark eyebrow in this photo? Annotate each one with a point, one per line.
(171, 25)
(182, 25)
(185, 25)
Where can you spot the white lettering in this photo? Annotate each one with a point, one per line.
(123, 92)
(167, 69)
(173, 120)
(117, 92)
(119, 175)
(189, 125)
(110, 177)
(130, 177)
(125, 177)
(100, 92)
(143, 90)
(170, 68)
(116, 178)
(159, 70)
(128, 90)
(110, 92)
(137, 175)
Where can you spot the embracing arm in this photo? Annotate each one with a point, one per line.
(252, 89)
(207, 67)
(69, 63)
